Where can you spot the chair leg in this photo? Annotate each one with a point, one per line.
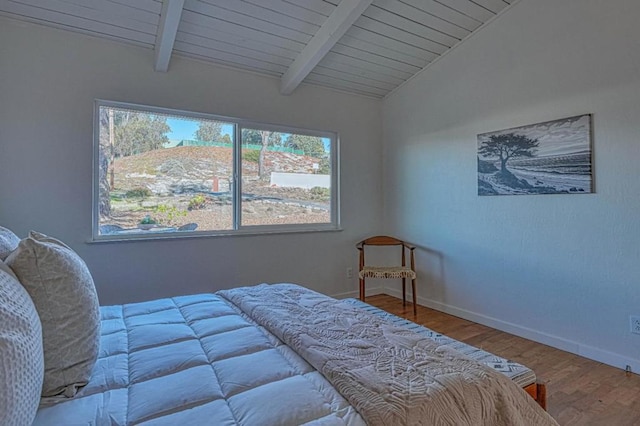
(404, 291)
(362, 289)
(413, 290)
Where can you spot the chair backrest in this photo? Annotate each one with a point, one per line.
(385, 240)
(382, 240)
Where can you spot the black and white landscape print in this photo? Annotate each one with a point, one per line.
(545, 158)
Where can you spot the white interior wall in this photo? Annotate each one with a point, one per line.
(561, 269)
(48, 81)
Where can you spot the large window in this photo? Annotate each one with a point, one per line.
(165, 173)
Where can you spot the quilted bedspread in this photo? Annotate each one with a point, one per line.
(196, 360)
(390, 374)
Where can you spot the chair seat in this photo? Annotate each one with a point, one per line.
(387, 272)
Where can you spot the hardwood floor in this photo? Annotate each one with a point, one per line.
(579, 391)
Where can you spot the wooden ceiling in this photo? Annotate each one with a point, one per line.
(359, 46)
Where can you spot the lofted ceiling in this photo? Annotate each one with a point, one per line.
(359, 46)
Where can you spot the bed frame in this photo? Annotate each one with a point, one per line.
(538, 391)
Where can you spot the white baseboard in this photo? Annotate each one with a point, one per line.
(368, 292)
(577, 348)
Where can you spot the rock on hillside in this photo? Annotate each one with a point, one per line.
(193, 168)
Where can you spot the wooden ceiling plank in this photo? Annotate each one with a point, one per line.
(354, 78)
(217, 55)
(167, 30)
(421, 9)
(292, 10)
(196, 23)
(377, 58)
(119, 9)
(400, 35)
(332, 57)
(353, 73)
(91, 14)
(320, 6)
(493, 5)
(75, 23)
(471, 9)
(346, 64)
(302, 33)
(422, 29)
(389, 43)
(154, 6)
(346, 86)
(383, 51)
(222, 46)
(327, 36)
(187, 30)
(267, 15)
(232, 65)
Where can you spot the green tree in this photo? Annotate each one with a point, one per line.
(124, 133)
(251, 137)
(105, 159)
(139, 132)
(310, 145)
(226, 138)
(263, 149)
(508, 146)
(265, 139)
(208, 131)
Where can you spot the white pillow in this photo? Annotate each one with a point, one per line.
(63, 292)
(8, 242)
(22, 362)
(4, 267)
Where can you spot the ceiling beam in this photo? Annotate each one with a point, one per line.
(167, 30)
(343, 16)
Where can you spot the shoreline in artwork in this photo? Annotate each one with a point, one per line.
(545, 158)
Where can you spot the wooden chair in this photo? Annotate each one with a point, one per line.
(402, 271)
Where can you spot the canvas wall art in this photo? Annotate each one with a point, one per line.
(553, 157)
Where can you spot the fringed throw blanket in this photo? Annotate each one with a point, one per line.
(391, 375)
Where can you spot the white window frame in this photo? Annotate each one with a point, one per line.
(238, 229)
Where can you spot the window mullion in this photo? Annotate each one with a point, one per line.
(237, 176)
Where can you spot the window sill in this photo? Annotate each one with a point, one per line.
(245, 232)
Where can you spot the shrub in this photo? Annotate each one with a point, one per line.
(148, 220)
(251, 155)
(168, 215)
(197, 202)
(320, 193)
(138, 192)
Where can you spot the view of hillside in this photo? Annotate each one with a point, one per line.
(193, 184)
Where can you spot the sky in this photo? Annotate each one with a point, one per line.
(557, 137)
(182, 128)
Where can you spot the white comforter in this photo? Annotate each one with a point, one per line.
(196, 360)
(392, 375)
(215, 360)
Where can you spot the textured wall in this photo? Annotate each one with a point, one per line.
(48, 82)
(561, 269)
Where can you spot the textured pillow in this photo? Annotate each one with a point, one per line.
(21, 363)
(63, 292)
(8, 242)
(5, 268)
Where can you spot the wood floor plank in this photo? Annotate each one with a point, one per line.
(579, 391)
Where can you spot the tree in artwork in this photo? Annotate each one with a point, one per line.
(508, 146)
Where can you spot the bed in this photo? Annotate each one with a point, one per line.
(271, 354)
